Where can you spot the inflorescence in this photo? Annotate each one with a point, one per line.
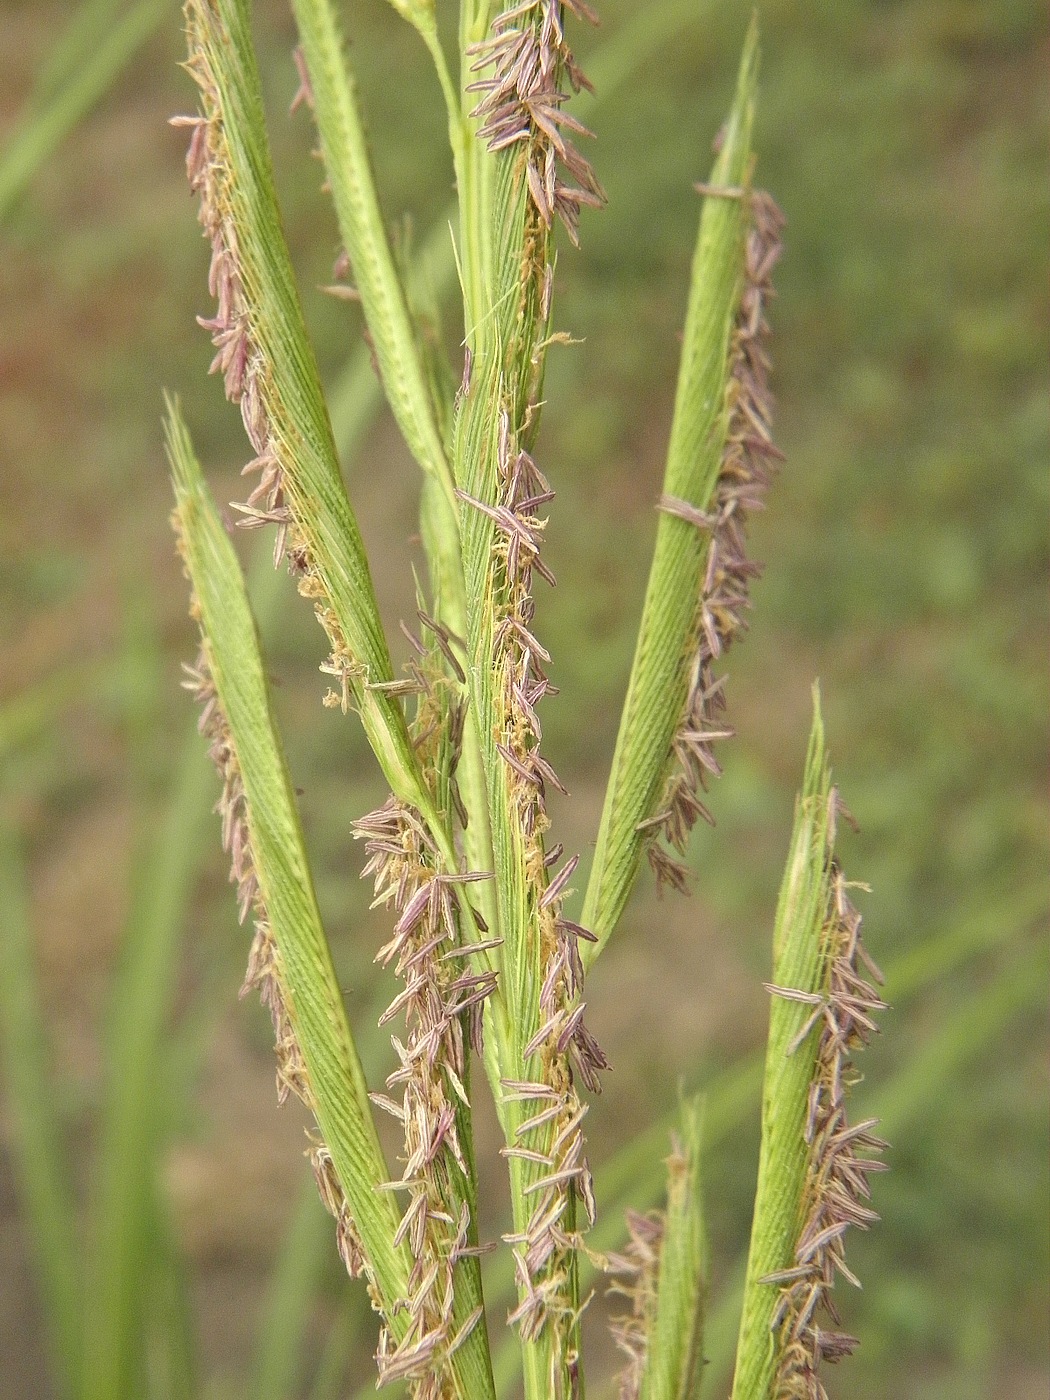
(441, 1002)
(524, 105)
(264, 970)
(836, 1188)
(748, 461)
(239, 358)
(551, 1136)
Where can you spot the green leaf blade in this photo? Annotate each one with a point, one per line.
(39, 1160)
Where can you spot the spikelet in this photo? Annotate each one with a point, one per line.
(524, 102)
(749, 459)
(836, 1192)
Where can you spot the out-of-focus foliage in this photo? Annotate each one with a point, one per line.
(905, 549)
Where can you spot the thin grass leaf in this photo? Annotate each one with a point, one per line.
(665, 676)
(640, 35)
(329, 1383)
(132, 1115)
(289, 1296)
(962, 1038)
(125, 1332)
(39, 1158)
(812, 1185)
(290, 958)
(90, 21)
(968, 933)
(269, 368)
(31, 712)
(171, 1359)
(106, 51)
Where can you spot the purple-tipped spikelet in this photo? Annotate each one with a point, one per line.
(264, 970)
(748, 462)
(524, 102)
(836, 1190)
(636, 1270)
(441, 1002)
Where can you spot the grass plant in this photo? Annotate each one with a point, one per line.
(118, 1312)
(461, 853)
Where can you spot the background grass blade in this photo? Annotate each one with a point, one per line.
(133, 1114)
(100, 53)
(171, 1325)
(289, 1296)
(39, 1155)
(329, 1383)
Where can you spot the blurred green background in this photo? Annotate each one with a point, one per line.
(905, 546)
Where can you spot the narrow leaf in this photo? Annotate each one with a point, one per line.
(132, 1122)
(290, 1295)
(39, 1159)
(103, 56)
(172, 1363)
